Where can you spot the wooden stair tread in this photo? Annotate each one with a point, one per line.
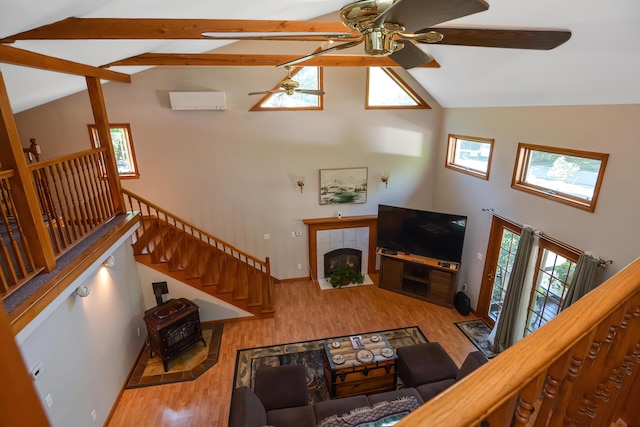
(185, 257)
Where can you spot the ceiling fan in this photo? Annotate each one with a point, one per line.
(289, 86)
(389, 28)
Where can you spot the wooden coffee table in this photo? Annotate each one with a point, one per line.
(352, 369)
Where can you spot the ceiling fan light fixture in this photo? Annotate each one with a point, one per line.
(379, 42)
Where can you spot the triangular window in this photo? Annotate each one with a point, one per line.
(386, 89)
(308, 78)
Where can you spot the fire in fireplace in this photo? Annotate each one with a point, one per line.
(342, 257)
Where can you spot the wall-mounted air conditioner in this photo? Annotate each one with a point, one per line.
(198, 100)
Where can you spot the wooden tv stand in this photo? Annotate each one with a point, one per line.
(419, 277)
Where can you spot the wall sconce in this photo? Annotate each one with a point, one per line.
(385, 178)
(83, 291)
(301, 183)
(109, 262)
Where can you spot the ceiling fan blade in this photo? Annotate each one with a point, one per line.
(414, 15)
(264, 92)
(410, 56)
(502, 38)
(322, 52)
(278, 35)
(310, 91)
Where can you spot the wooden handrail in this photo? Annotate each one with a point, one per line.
(72, 199)
(65, 158)
(177, 219)
(571, 370)
(244, 277)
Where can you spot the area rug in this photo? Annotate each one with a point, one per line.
(478, 333)
(186, 367)
(310, 354)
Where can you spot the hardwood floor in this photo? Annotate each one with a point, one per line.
(303, 312)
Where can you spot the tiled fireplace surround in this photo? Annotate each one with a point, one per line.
(327, 234)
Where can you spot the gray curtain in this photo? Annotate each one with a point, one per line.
(586, 277)
(509, 312)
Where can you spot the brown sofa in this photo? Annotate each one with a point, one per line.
(280, 396)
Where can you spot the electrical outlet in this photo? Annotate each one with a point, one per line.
(479, 256)
(48, 400)
(267, 236)
(94, 414)
(138, 330)
(299, 266)
(464, 287)
(37, 371)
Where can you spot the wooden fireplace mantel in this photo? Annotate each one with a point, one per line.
(334, 223)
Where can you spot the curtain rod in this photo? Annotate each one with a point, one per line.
(601, 262)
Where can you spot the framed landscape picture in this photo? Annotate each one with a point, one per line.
(347, 185)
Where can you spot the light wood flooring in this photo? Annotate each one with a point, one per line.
(303, 312)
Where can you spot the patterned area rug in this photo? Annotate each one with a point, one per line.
(478, 332)
(186, 367)
(310, 354)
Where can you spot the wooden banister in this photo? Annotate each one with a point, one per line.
(579, 368)
(238, 276)
(174, 219)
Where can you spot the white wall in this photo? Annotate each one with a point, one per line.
(211, 308)
(88, 345)
(234, 172)
(611, 231)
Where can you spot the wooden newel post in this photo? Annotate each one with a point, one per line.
(104, 134)
(23, 191)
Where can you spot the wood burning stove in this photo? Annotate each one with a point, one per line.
(173, 328)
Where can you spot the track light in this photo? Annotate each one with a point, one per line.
(109, 262)
(83, 291)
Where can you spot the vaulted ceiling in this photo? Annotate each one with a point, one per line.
(599, 64)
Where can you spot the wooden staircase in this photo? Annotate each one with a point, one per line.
(180, 250)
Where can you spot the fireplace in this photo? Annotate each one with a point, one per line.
(327, 234)
(343, 257)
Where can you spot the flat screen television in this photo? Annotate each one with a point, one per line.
(428, 234)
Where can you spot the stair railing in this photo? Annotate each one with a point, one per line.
(150, 210)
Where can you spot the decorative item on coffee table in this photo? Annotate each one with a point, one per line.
(359, 364)
(344, 276)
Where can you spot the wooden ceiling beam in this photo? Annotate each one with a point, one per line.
(15, 56)
(247, 60)
(148, 28)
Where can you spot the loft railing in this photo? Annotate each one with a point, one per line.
(74, 196)
(579, 369)
(259, 290)
(74, 199)
(16, 261)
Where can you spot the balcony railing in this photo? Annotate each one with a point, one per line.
(580, 369)
(74, 199)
